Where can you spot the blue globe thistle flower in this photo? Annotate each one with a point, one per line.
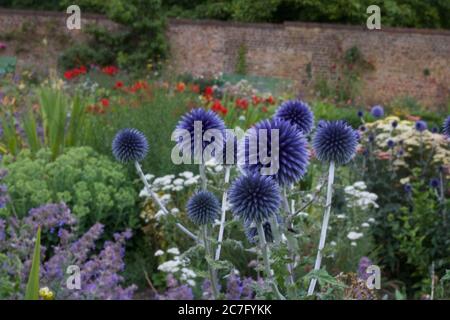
(377, 111)
(362, 128)
(360, 114)
(371, 137)
(254, 198)
(434, 183)
(335, 141)
(394, 124)
(293, 154)
(252, 232)
(129, 145)
(407, 188)
(390, 143)
(447, 126)
(435, 130)
(208, 119)
(203, 208)
(421, 126)
(297, 113)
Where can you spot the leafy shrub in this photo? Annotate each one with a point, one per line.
(97, 189)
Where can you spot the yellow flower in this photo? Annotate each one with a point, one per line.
(46, 294)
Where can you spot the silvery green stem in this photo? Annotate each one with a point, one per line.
(289, 266)
(159, 203)
(212, 272)
(203, 175)
(266, 257)
(223, 214)
(323, 233)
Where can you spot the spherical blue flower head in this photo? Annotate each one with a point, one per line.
(209, 120)
(251, 232)
(394, 124)
(408, 188)
(390, 143)
(435, 130)
(254, 198)
(203, 208)
(447, 126)
(377, 111)
(421, 126)
(360, 114)
(129, 145)
(293, 154)
(434, 183)
(297, 113)
(335, 141)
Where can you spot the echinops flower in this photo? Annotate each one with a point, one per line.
(129, 145)
(203, 208)
(377, 111)
(335, 141)
(421, 126)
(292, 147)
(254, 198)
(447, 126)
(251, 232)
(297, 113)
(208, 119)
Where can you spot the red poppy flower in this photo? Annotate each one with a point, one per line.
(118, 85)
(105, 102)
(110, 70)
(270, 100)
(181, 86)
(195, 88)
(209, 91)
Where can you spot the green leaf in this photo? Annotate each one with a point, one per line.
(324, 278)
(32, 290)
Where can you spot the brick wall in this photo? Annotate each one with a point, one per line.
(407, 62)
(37, 38)
(303, 52)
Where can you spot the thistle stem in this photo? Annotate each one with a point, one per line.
(289, 265)
(223, 214)
(202, 172)
(266, 257)
(212, 272)
(323, 233)
(159, 203)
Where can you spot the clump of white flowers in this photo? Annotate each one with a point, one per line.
(357, 196)
(177, 265)
(164, 188)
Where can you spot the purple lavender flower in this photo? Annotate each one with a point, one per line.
(364, 263)
(377, 111)
(234, 287)
(175, 291)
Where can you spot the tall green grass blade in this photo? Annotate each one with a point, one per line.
(30, 128)
(32, 290)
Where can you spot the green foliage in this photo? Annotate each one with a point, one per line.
(95, 188)
(32, 289)
(241, 65)
(141, 42)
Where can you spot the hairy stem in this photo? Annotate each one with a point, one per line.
(159, 203)
(323, 233)
(212, 272)
(266, 258)
(223, 214)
